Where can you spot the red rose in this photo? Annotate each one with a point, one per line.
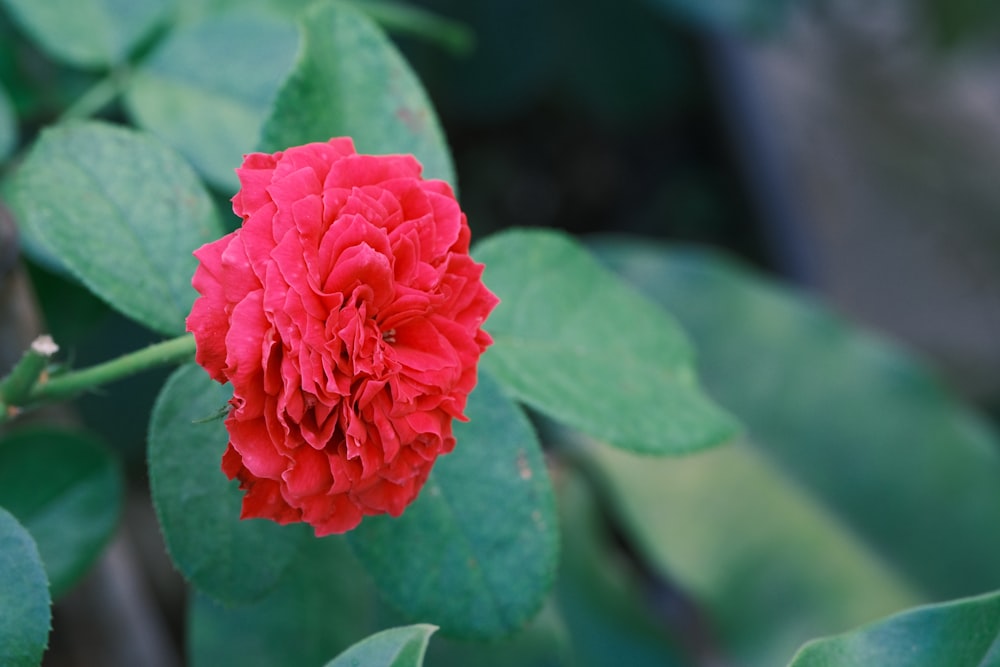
(346, 313)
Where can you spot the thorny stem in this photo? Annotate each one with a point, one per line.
(68, 385)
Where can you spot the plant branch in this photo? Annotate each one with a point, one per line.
(73, 383)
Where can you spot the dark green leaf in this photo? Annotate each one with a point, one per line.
(325, 602)
(963, 633)
(351, 81)
(396, 647)
(231, 560)
(476, 552)
(808, 527)
(573, 341)
(88, 33)
(122, 212)
(24, 597)
(213, 115)
(66, 489)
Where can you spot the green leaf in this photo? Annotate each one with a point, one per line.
(807, 527)
(396, 647)
(325, 601)
(213, 115)
(770, 565)
(231, 560)
(8, 126)
(571, 340)
(351, 81)
(88, 33)
(122, 211)
(66, 489)
(962, 633)
(475, 553)
(24, 597)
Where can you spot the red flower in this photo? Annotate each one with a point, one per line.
(346, 313)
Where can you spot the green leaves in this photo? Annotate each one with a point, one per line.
(577, 344)
(475, 553)
(396, 647)
(66, 489)
(213, 115)
(963, 633)
(24, 597)
(350, 81)
(88, 33)
(125, 217)
(232, 560)
(807, 527)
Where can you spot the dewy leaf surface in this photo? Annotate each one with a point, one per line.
(574, 341)
(851, 444)
(24, 597)
(962, 633)
(476, 552)
(351, 81)
(122, 212)
(395, 647)
(66, 489)
(213, 115)
(231, 560)
(88, 33)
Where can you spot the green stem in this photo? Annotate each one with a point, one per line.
(68, 385)
(98, 96)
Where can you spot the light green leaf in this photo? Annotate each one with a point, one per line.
(8, 126)
(122, 212)
(807, 527)
(231, 560)
(325, 601)
(213, 115)
(66, 489)
(475, 553)
(351, 81)
(24, 597)
(88, 33)
(396, 647)
(571, 340)
(770, 565)
(963, 633)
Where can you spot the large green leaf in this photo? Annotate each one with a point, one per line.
(88, 33)
(770, 565)
(24, 597)
(351, 81)
(325, 602)
(66, 489)
(122, 212)
(475, 553)
(213, 114)
(573, 341)
(231, 560)
(395, 647)
(864, 486)
(963, 633)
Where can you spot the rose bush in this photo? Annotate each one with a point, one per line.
(346, 312)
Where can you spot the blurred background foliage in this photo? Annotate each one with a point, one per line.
(847, 150)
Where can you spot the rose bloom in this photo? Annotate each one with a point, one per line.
(346, 314)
